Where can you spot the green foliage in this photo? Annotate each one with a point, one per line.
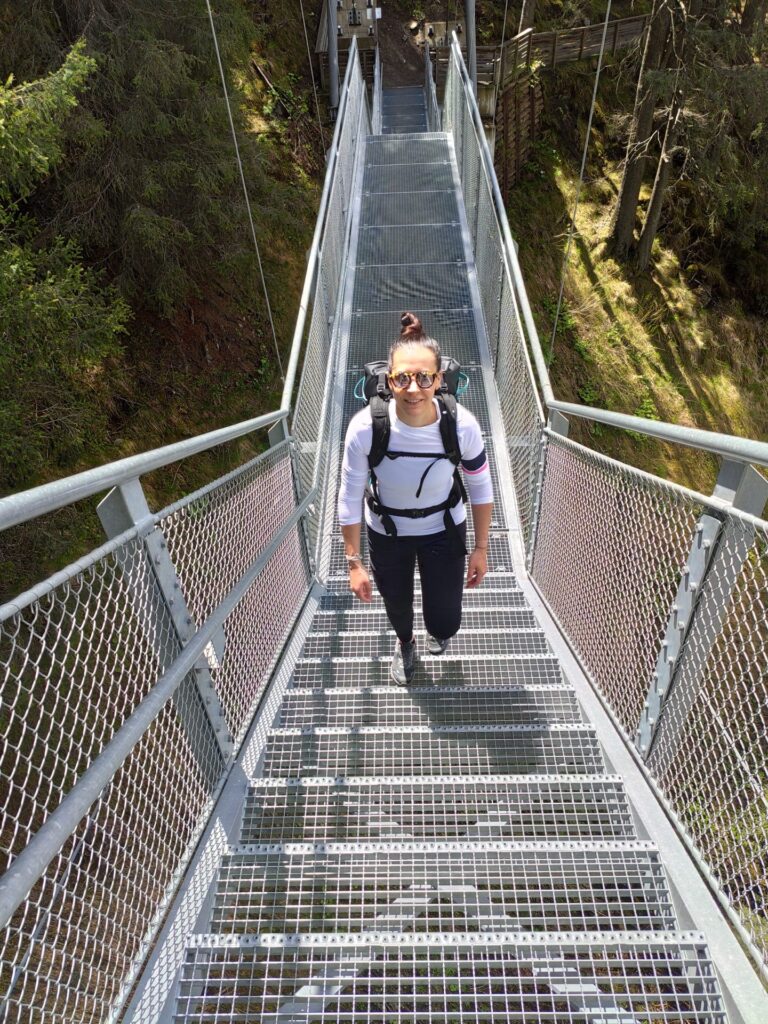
(150, 187)
(32, 118)
(57, 328)
(57, 325)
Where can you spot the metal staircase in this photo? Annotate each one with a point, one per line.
(217, 805)
(456, 850)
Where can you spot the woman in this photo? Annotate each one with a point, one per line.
(405, 483)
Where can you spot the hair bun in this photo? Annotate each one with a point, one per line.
(411, 326)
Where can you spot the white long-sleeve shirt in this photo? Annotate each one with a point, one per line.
(399, 478)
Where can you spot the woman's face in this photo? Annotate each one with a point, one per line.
(414, 404)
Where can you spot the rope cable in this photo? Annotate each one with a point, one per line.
(312, 74)
(571, 230)
(245, 187)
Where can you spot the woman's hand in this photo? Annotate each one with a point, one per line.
(477, 567)
(360, 582)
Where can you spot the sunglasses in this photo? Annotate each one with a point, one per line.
(423, 379)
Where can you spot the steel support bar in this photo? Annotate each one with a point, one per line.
(333, 56)
(32, 862)
(126, 506)
(469, 11)
(746, 491)
(20, 508)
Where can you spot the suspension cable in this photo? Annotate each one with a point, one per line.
(312, 74)
(571, 230)
(245, 187)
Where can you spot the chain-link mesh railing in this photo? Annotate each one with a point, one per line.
(313, 401)
(520, 406)
(710, 754)
(613, 546)
(76, 663)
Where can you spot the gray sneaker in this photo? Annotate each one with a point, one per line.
(403, 663)
(435, 646)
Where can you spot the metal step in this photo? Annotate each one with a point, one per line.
(371, 334)
(425, 750)
(429, 284)
(364, 618)
(497, 579)
(447, 887)
(393, 246)
(563, 807)
(390, 705)
(445, 670)
(422, 150)
(492, 598)
(410, 177)
(410, 210)
(614, 978)
(467, 643)
(499, 557)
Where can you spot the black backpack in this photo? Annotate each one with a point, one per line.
(377, 393)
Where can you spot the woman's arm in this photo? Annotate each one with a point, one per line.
(477, 564)
(359, 580)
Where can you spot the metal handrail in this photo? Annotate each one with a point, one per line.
(724, 445)
(20, 508)
(313, 260)
(47, 842)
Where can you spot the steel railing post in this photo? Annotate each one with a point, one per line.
(746, 490)
(124, 507)
(556, 424)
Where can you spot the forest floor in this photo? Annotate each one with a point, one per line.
(649, 344)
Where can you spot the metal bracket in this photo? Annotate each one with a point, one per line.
(278, 432)
(746, 490)
(558, 423)
(124, 507)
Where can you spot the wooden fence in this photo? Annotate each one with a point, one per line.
(518, 112)
(545, 48)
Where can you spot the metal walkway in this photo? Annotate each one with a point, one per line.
(456, 850)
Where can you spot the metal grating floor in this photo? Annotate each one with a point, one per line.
(454, 850)
(513, 979)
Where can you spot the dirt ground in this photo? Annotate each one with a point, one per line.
(402, 59)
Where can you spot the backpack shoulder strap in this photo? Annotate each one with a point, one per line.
(449, 430)
(381, 427)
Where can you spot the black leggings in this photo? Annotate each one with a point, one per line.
(441, 568)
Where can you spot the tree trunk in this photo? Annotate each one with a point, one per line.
(663, 171)
(625, 212)
(752, 16)
(527, 15)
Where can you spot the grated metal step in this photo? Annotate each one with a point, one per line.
(467, 643)
(444, 670)
(448, 807)
(365, 618)
(449, 887)
(399, 287)
(425, 750)
(371, 334)
(509, 979)
(409, 209)
(421, 150)
(409, 177)
(508, 597)
(389, 705)
(499, 558)
(393, 246)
